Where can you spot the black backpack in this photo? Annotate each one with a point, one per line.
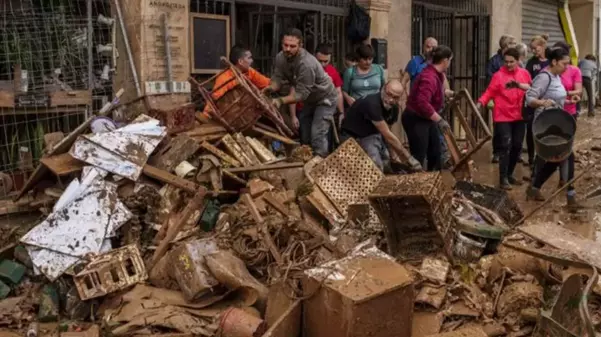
(357, 23)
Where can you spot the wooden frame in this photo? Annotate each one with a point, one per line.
(228, 39)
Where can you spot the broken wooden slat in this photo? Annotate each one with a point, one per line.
(248, 150)
(235, 150)
(205, 130)
(196, 203)
(276, 204)
(234, 177)
(274, 136)
(324, 206)
(256, 168)
(62, 164)
(220, 154)
(169, 178)
(263, 153)
(264, 230)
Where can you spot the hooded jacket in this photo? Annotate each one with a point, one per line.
(508, 102)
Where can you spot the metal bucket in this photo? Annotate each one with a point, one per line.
(553, 131)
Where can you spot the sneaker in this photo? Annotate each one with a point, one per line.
(505, 185)
(514, 181)
(495, 158)
(534, 194)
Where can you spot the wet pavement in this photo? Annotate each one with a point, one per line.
(587, 133)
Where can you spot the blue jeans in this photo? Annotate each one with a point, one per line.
(314, 124)
(374, 146)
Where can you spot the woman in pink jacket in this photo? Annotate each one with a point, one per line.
(507, 89)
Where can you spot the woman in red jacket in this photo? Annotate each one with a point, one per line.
(507, 89)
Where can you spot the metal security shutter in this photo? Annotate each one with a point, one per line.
(541, 17)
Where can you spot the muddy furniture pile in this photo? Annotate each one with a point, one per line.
(165, 227)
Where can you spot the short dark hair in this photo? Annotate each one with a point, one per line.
(351, 56)
(365, 51)
(324, 48)
(564, 45)
(590, 57)
(294, 32)
(556, 53)
(513, 52)
(237, 52)
(440, 53)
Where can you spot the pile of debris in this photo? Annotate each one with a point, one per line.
(198, 230)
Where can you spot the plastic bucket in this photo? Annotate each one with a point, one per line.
(553, 131)
(239, 323)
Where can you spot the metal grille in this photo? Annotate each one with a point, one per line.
(467, 34)
(464, 6)
(46, 55)
(259, 25)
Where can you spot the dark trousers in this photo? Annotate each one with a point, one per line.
(496, 141)
(511, 136)
(530, 140)
(544, 170)
(424, 140)
(587, 83)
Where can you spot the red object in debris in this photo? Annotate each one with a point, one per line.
(238, 323)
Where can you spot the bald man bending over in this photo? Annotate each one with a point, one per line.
(368, 121)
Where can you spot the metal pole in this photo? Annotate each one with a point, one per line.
(167, 53)
(132, 65)
(90, 56)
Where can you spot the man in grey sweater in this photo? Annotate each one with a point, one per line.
(588, 67)
(311, 85)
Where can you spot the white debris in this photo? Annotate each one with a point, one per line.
(86, 214)
(124, 151)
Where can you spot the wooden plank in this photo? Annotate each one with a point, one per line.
(62, 164)
(263, 229)
(66, 98)
(262, 152)
(248, 150)
(274, 136)
(196, 203)
(220, 154)
(236, 150)
(169, 178)
(264, 167)
(206, 129)
(7, 99)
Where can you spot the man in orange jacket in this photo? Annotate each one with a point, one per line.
(242, 58)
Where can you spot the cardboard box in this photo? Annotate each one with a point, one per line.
(364, 294)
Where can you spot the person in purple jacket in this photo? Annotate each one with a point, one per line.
(421, 119)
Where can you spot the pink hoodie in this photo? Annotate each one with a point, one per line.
(508, 102)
